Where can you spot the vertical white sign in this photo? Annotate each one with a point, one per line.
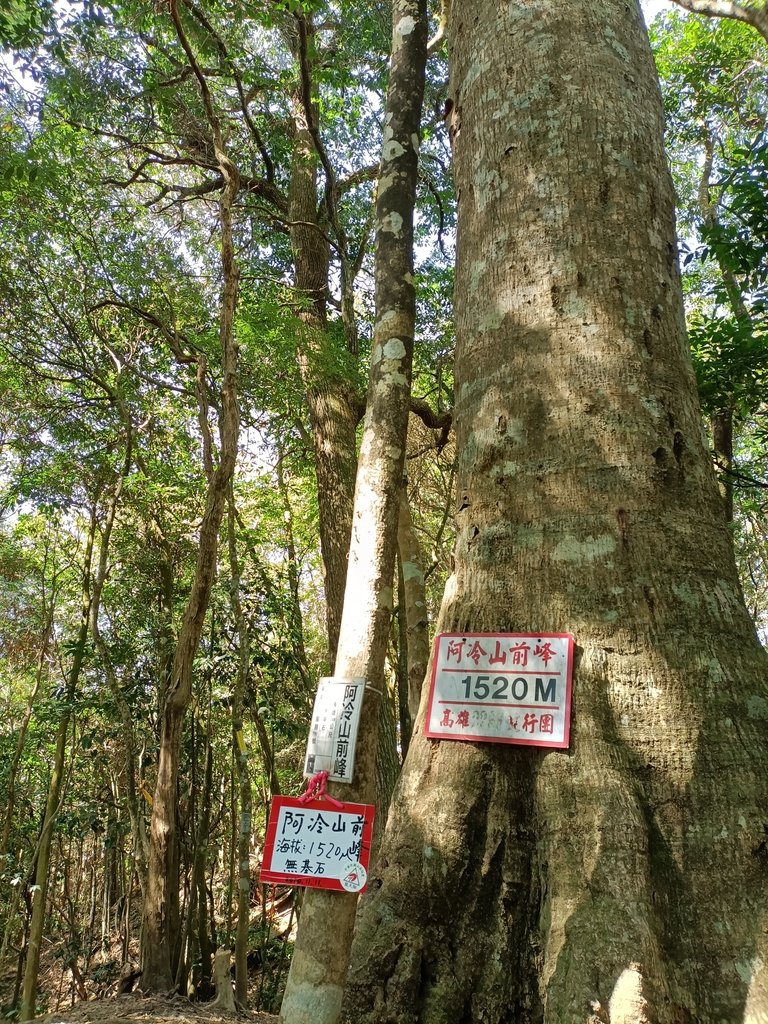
(501, 688)
(333, 733)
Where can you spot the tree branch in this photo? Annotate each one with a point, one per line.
(754, 14)
(441, 421)
(357, 177)
(436, 41)
(173, 337)
(269, 167)
(742, 478)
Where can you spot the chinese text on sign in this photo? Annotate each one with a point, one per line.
(502, 688)
(321, 844)
(333, 732)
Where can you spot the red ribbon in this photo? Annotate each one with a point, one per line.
(316, 790)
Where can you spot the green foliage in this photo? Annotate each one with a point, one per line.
(741, 242)
(731, 359)
(23, 22)
(728, 327)
(715, 95)
(714, 88)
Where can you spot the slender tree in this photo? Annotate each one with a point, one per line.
(318, 968)
(161, 901)
(55, 789)
(240, 755)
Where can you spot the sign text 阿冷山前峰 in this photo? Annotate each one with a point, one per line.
(501, 688)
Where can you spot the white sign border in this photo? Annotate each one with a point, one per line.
(563, 744)
(331, 883)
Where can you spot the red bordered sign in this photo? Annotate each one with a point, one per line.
(321, 844)
(501, 688)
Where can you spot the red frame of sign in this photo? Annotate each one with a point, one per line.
(366, 811)
(475, 738)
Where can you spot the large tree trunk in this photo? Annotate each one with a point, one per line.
(622, 880)
(331, 399)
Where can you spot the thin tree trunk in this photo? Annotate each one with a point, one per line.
(232, 859)
(387, 763)
(295, 617)
(405, 721)
(267, 753)
(12, 911)
(722, 441)
(318, 968)
(21, 736)
(240, 751)
(722, 419)
(126, 717)
(333, 404)
(554, 887)
(198, 903)
(161, 902)
(53, 803)
(415, 609)
(334, 420)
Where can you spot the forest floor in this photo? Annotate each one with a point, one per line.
(137, 1009)
(85, 990)
(103, 1006)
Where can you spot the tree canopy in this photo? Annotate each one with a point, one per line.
(187, 322)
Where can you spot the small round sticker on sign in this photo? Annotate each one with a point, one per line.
(353, 876)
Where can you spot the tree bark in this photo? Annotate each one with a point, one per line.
(387, 764)
(621, 880)
(753, 12)
(405, 719)
(240, 753)
(198, 901)
(331, 400)
(126, 719)
(21, 732)
(721, 421)
(225, 997)
(722, 442)
(318, 968)
(414, 593)
(294, 613)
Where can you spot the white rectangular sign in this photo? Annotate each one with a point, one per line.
(333, 733)
(501, 688)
